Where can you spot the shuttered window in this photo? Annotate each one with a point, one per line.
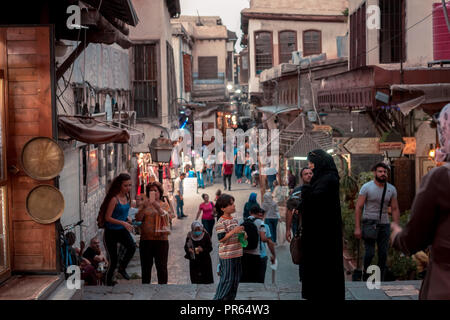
(207, 68)
(392, 32)
(187, 71)
(171, 80)
(230, 66)
(288, 44)
(312, 42)
(358, 51)
(263, 51)
(145, 82)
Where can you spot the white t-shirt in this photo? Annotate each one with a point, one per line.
(373, 195)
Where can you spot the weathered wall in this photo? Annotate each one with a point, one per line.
(334, 7)
(180, 47)
(154, 25)
(329, 33)
(418, 53)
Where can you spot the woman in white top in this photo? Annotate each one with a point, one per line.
(272, 214)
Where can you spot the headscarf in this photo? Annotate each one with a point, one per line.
(252, 197)
(323, 163)
(443, 126)
(195, 225)
(249, 205)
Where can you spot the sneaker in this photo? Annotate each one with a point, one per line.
(184, 216)
(124, 274)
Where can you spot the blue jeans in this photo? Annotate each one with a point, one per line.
(200, 179)
(270, 180)
(180, 204)
(384, 232)
(272, 223)
(219, 170)
(209, 176)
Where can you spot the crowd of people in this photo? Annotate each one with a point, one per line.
(313, 210)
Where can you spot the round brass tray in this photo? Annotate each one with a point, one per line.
(45, 204)
(42, 158)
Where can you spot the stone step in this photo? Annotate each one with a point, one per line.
(64, 293)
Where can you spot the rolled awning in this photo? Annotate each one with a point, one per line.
(92, 131)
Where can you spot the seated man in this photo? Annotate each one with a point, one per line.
(94, 255)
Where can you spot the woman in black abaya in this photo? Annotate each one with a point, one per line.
(322, 231)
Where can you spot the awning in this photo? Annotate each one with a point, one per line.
(277, 109)
(358, 88)
(432, 93)
(92, 131)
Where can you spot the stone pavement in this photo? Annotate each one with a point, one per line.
(134, 290)
(178, 266)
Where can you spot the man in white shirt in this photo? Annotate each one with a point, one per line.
(199, 164)
(178, 192)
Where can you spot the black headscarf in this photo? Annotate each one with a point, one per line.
(323, 164)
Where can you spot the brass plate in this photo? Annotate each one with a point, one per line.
(45, 204)
(42, 158)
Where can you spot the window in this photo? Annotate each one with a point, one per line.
(187, 71)
(392, 32)
(288, 44)
(207, 68)
(358, 38)
(171, 81)
(230, 66)
(145, 83)
(263, 51)
(312, 42)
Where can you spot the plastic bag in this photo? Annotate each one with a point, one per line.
(281, 233)
(274, 266)
(162, 223)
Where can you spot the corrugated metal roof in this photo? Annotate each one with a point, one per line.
(120, 9)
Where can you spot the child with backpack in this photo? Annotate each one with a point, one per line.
(208, 213)
(256, 235)
(230, 249)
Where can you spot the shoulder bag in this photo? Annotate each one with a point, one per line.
(370, 226)
(296, 244)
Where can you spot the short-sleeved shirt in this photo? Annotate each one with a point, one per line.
(264, 245)
(260, 227)
(207, 209)
(178, 186)
(232, 247)
(373, 195)
(227, 168)
(90, 254)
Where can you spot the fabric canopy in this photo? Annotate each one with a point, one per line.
(92, 131)
(432, 93)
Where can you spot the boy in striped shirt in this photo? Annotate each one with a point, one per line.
(230, 249)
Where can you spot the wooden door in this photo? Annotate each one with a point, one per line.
(26, 60)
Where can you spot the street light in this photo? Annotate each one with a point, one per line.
(161, 150)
